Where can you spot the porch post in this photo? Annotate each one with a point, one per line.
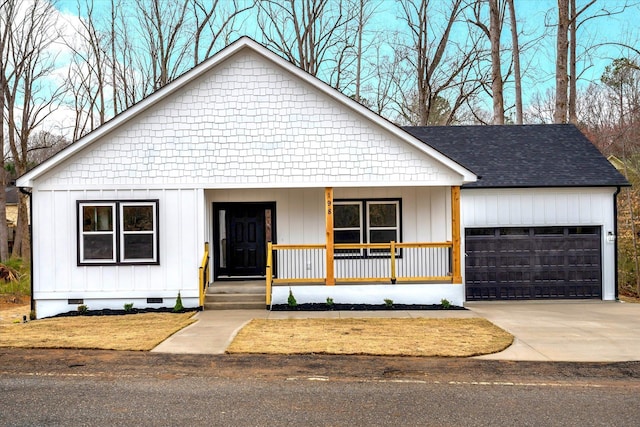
(328, 198)
(455, 234)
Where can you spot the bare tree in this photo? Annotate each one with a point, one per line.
(443, 68)
(44, 145)
(166, 38)
(214, 22)
(7, 16)
(29, 101)
(493, 33)
(365, 10)
(562, 77)
(571, 17)
(87, 75)
(515, 55)
(305, 32)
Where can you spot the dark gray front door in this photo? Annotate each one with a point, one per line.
(246, 241)
(242, 231)
(533, 263)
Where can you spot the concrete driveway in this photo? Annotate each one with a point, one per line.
(592, 331)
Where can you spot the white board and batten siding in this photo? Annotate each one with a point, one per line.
(539, 207)
(58, 278)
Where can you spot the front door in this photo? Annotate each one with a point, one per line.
(242, 233)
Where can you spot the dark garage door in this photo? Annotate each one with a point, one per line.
(532, 263)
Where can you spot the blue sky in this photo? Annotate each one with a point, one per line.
(532, 15)
(535, 18)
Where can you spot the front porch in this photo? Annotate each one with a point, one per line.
(354, 263)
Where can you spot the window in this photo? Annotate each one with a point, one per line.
(366, 221)
(98, 237)
(122, 232)
(347, 225)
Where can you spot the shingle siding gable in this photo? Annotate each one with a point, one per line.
(248, 122)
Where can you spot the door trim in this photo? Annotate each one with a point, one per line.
(220, 206)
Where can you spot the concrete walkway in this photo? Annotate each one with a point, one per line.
(550, 331)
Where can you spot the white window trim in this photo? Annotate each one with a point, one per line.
(371, 228)
(360, 229)
(122, 233)
(83, 233)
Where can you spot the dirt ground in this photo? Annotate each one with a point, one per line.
(110, 365)
(13, 307)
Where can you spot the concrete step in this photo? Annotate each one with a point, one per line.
(235, 305)
(252, 287)
(235, 297)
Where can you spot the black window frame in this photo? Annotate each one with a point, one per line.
(118, 232)
(365, 227)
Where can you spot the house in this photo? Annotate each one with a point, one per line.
(247, 167)
(11, 198)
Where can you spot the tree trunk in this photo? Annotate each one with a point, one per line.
(4, 232)
(496, 74)
(22, 241)
(359, 50)
(515, 53)
(573, 115)
(562, 45)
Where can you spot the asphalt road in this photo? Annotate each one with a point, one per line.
(60, 387)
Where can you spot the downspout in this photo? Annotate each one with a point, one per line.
(615, 241)
(23, 190)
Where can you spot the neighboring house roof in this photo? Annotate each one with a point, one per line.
(11, 195)
(512, 156)
(137, 112)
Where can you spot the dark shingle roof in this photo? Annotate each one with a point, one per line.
(11, 195)
(523, 155)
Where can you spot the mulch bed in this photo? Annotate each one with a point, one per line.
(110, 312)
(360, 307)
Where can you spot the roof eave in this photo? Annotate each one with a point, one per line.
(506, 187)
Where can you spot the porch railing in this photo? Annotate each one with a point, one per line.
(359, 263)
(204, 274)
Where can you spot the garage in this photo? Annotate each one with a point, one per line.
(509, 263)
(540, 222)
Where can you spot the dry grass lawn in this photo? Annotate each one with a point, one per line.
(380, 337)
(130, 332)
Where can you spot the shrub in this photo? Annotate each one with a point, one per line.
(291, 301)
(128, 307)
(330, 301)
(445, 303)
(388, 302)
(32, 315)
(82, 309)
(178, 307)
(17, 278)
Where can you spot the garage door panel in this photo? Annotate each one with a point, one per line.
(532, 263)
